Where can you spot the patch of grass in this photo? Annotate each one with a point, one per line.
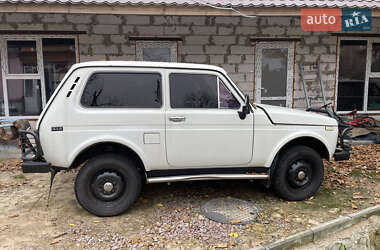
(356, 173)
(326, 199)
(20, 176)
(373, 174)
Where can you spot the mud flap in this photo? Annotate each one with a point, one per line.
(53, 173)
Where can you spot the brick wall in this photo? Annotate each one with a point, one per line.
(222, 41)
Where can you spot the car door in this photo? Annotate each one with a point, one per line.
(203, 127)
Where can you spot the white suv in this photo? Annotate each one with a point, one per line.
(129, 123)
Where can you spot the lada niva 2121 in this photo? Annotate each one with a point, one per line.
(129, 123)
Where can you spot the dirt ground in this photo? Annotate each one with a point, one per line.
(168, 216)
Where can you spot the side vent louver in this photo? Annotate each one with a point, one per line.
(72, 87)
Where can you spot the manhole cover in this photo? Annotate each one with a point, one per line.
(230, 211)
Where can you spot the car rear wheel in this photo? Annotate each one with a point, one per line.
(299, 173)
(108, 185)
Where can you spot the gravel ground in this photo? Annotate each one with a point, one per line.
(168, 216)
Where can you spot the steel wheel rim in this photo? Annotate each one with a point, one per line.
(108, 185)
(299, 174)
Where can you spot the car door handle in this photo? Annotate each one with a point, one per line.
(177, 118)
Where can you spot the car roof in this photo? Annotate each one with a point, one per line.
(148, 65)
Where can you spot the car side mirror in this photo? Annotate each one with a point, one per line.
(246, 109)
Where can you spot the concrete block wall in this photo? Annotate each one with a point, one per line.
(221, 41)
(316, 46)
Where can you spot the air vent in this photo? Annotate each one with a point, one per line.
(72, 87)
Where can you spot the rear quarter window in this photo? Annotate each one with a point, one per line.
(123, 90)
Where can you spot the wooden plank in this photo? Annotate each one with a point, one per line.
(375, 12)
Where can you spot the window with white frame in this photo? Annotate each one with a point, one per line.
(156, 51)
(359, 75)
(31, 68)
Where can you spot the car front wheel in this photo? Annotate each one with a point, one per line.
(108, 185)
(299, 173)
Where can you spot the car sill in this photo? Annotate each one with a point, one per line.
(208, 177)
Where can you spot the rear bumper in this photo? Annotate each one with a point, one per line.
(35, 167)
(32, 154)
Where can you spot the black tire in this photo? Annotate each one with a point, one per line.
(286, 180)
(121, 172)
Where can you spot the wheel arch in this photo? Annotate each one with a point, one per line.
(107, 147)
(308, 141)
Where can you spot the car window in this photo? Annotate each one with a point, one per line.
(226, 99)
(193, 91)
(123, 90)
(200, 91)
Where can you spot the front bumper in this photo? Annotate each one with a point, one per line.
(32, 154)
(342, 151)
(341, 155)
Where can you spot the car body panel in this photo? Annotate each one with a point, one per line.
(270, 138)
(211, 138)
(199, 140)
(281, 115)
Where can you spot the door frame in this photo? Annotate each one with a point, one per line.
(290, 71)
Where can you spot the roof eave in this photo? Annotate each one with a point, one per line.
(128, 9)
